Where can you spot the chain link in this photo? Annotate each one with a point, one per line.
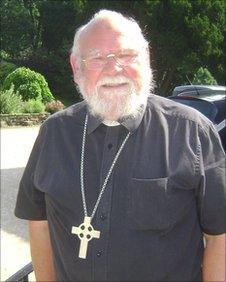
(107, 176)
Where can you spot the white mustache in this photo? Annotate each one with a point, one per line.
(113, 80)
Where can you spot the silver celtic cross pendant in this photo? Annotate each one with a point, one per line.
(85, 233)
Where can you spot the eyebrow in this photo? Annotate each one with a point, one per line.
(93, 52)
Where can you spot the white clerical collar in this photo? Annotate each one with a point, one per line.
(111, 123)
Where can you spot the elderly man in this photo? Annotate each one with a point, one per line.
(123, 186)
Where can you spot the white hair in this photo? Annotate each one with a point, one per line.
(127, 101)
(129, 25)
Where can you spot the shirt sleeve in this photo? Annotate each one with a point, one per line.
(31, 201)
(212, 192)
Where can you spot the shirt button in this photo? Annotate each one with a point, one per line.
(102, 216)
(110, 146)
(99, 253)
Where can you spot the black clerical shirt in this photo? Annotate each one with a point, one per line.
(166, 189)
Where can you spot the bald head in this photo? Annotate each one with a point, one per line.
(110, 63)
(109, 21)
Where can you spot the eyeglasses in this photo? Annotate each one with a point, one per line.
(99, 62)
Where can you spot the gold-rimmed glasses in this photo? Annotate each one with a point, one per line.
(99, 62)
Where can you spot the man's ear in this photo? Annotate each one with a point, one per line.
(74, 66)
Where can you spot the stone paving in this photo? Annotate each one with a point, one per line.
(16, 145)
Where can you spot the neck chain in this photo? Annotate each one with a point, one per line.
(85, 231)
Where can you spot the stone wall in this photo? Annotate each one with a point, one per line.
(22, 119)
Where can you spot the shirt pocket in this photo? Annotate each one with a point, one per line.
(157, 204)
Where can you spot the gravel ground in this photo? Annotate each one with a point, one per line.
(16, 145)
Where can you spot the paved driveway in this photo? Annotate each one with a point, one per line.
(16, 145)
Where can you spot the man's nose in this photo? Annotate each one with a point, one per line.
(112, 66)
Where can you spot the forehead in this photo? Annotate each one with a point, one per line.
(105, 38)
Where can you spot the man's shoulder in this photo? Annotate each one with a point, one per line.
(173, 110)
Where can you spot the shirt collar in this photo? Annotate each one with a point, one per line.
(129, 123)
(93, 123)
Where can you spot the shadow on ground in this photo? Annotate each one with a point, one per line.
(10, 179)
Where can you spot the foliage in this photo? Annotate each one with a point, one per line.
(10, 101)
(5, 69)
(29, 84)
(3, 55)
(33, 106)
(203, 76)
(184, 34)
(21, 26)
(54, 106)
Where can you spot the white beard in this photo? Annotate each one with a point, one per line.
(113, 105)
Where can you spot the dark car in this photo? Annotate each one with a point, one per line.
(196, 90)
(212, 106)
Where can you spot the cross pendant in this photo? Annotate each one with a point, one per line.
(85, 233)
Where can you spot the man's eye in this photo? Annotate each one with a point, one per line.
(126, 57)
(97, 59)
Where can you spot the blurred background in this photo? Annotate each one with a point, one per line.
(184, 36)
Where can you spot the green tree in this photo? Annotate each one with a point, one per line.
(21, 28)
(5, 69)
(184, 34)
(203, 76)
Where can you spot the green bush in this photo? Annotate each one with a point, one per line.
(29, 84)
(54, 106)
(10, 101)
(5, 69)
(203, 76)
(33, 106)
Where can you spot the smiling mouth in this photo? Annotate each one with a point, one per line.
(113, 85)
